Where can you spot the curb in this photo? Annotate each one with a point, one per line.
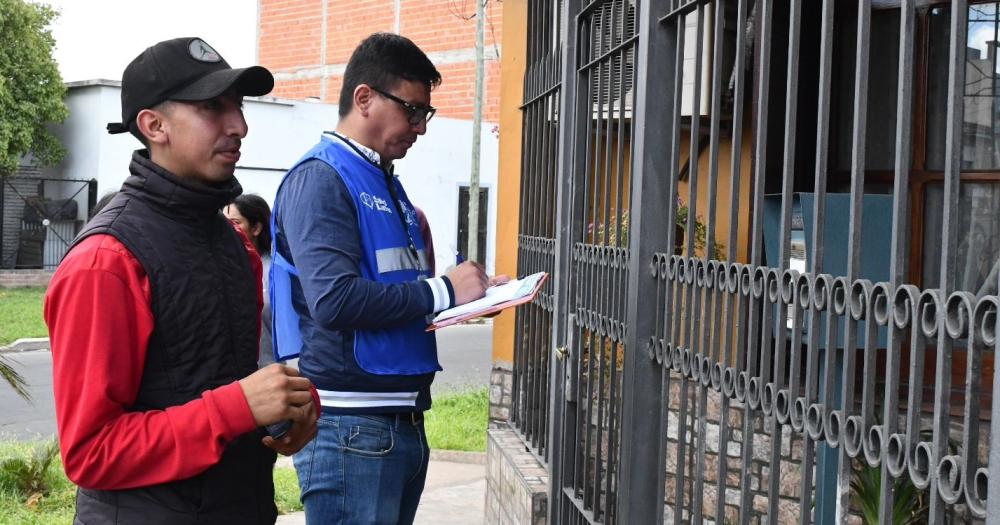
(26, 345)
(454, 456)
(459, 456)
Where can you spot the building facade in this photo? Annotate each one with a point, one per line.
(307, 44)
(281, 130)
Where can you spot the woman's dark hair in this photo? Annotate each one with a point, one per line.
(381, 61)
(105, 199)
(255, 210)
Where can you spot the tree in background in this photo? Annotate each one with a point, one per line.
(31, 89)
(31, 97)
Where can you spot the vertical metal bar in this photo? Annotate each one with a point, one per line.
(546, 230)
(609, 226)
(900, 227)
(733, 322)
(621, 277)
(596, 289)
(715, 309)
(825, 484)
(550, 233)
(522, 359)
(816, 263)
(582, 266)
(562, 415)
(756, 252)
(674, 289)
(523, 328)
(640, 497)
(949, 238)
(694, 295)
(993, 495)
(621, 140)
(788, 184)
(535, 337)
(532, 336)
(854, 248)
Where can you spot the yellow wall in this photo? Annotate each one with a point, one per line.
(512, 68)
(512, 65)
(722, 195)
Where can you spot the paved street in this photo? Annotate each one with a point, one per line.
(22, 420)
(465, 354)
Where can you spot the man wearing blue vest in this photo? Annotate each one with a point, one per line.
(352, 292)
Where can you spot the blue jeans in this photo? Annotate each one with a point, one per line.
(363, 469)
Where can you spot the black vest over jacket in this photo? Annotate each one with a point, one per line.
(204, 305)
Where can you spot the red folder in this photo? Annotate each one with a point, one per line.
(499, 307)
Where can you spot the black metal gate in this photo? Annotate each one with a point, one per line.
(39, 218)
(773, 232)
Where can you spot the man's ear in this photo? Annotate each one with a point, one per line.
(153, 125)
(363, 95)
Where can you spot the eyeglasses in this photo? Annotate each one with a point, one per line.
(414, 114)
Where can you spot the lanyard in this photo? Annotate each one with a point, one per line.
(389, 183)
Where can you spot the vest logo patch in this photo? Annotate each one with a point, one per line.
(375, 203)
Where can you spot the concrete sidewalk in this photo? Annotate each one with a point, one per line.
(455, 494)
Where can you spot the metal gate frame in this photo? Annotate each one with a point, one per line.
(762, 380)
(89, 184)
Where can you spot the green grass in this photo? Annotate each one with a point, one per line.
(458, 421)
(21, 314)
(58, 505)
(54, 507)
(286, 490)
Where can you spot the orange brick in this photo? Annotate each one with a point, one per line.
(291, 36)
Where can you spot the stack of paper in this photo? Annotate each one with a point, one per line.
(496, 295)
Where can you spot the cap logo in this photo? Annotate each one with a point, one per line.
(203, 52)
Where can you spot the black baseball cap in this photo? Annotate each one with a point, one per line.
(182, 69)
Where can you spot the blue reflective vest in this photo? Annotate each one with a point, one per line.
(390, 255)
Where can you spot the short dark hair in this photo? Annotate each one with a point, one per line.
(382, 60)
(255, 210)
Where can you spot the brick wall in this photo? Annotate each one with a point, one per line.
(290, 33)
(501, 383)
(293, 32)
(298, 89)
(516, 483)
(25, 278)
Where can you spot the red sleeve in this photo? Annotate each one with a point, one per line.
(99, 318)
(258, 272)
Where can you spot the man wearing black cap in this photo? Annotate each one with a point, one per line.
(154, 316)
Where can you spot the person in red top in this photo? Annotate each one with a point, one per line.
(154, 317)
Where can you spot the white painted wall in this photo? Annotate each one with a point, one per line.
(280, 132)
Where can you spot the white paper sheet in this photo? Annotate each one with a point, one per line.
(495, 295)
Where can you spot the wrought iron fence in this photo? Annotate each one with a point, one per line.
(537, 226)
(772, 231)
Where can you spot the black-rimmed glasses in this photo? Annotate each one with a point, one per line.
(414, 114)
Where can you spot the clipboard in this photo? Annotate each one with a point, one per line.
(443, 319)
